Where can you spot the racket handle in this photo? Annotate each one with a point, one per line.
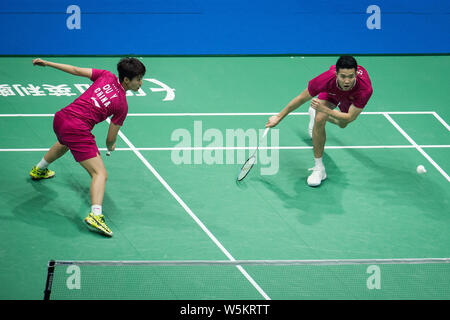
(265, 132)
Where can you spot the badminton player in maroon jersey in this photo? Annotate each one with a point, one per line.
(106, 97)
(342, 93)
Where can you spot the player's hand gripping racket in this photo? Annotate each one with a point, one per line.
(108, 152)
(250, 161)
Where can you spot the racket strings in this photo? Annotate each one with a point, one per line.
(250, 161)
(246, 167)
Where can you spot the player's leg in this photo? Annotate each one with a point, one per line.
(319, 134)
(312, 119)
(96, 169)
(327, 100)
(55, 152)
(40, 170)
(319, 138)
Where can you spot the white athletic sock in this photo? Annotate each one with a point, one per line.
(96, 209)
(318, 162)
(42, 164)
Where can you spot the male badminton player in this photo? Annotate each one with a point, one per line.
(346, 86)
(73, 124)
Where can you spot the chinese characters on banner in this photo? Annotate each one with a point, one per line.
(7, 90)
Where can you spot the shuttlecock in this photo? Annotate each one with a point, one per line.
(421, 169)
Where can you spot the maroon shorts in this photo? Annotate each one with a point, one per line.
(76, 135)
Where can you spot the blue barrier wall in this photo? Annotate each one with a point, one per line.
(167, 27)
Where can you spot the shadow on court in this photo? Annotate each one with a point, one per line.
(310, 204)
(45, 206)
(400, 188)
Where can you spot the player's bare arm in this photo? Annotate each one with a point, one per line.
(76, 71)
(341, 117)
(112, 136)
(292, 105)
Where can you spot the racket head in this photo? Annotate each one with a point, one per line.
(246, 167)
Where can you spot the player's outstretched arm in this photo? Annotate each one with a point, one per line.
(292, 105)
(76, 71)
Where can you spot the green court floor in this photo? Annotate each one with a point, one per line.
(373, 204)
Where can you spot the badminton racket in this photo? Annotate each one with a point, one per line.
(250, 161)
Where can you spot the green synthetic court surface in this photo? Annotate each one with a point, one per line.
(373, 204)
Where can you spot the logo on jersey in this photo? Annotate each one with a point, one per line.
(105, 95)
(95, 102)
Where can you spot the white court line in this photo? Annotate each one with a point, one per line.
(257, 114)
(417, 146)
(243, 148)
(291, 147)
(221, 114)
(25, 150)
(441, 121)
(27, 115)
(193, 216)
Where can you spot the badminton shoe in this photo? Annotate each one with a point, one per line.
(97, 223)
(37, 174)
(317, 176)
(312, 117)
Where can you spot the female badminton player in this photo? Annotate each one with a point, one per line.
(73, 124)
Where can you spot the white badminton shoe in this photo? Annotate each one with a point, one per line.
(317, 176)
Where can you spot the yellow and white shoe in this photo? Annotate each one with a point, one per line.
(97, 223)
(38, 174)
